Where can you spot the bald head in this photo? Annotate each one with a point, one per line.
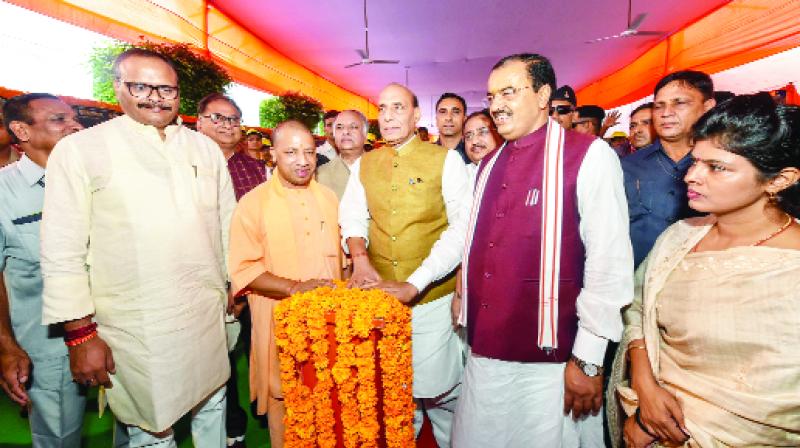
(294, 153)
(398, 113)
(288, 128)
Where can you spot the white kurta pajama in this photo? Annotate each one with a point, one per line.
(135, 231)
(437, 350)
(520, 404)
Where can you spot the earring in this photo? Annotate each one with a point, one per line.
(772, 197)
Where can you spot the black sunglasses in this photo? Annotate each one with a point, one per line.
(561, 109)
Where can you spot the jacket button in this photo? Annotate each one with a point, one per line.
(394, 238)
(394, 262)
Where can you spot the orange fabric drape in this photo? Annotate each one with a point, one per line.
(737, 33)
(247, 59)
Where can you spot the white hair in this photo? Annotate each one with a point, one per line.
(360, 116)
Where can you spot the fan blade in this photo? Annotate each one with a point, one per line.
(362, 54)
(602, 39)
(384, 61)
(637, 22)
(353, 65)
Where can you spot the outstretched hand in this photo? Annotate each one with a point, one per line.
(403, 291)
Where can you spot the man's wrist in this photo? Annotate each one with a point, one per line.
(8, 343)
(588, 369)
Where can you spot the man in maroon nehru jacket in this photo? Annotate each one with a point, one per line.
(547, 267)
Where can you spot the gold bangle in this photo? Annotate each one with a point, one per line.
(640, 347)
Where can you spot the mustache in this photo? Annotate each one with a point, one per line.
(504, 110)
(477, 146)
(148, 105)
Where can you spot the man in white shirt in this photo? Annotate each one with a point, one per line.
(403, 219)
(547, 268)
(134, 236)
(328, 149)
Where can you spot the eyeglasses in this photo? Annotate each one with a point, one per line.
(141, 90)
(218, 118)
(508, 94)
(562, 109)
(480, 132)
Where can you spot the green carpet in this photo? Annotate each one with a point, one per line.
(97, 432)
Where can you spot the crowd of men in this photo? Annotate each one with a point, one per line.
(135, 253)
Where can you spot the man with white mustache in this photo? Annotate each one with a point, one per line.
(349, 133)
(546, 270)
(403, 218)
(134, 236)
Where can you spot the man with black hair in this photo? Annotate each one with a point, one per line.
(641, 126)
(422, 132)
(480, 139)
(134, 241)
(589, 120)
(562, 106)
(451, 110)
(328, 149)
(546, 270)
(8, 154)
(34, 365)
(219, 118)
(654, 175)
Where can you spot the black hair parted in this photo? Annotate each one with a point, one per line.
(18, 108)
(540, 70)
(454, 96)
(764, 133)
(642, 107)
(697, 80)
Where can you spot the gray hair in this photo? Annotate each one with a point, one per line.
(360, 116)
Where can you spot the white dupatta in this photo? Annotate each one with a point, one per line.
(550, 254)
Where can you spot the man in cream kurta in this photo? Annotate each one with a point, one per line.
(134, 232)
(409, 202)
(284, 240)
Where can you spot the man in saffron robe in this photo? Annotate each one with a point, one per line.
(284, 240)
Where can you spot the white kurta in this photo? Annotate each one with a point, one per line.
(135, 231)
(437, 350)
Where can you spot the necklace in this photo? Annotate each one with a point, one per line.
(786, 225)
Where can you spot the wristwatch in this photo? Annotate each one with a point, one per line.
(587, 368)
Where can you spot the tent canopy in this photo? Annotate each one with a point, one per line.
(448, 45)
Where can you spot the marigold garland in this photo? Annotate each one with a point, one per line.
(301, 332)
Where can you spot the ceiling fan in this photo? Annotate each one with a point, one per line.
(365, 59)
(631, 31)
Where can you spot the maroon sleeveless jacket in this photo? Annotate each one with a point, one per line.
(503, 276)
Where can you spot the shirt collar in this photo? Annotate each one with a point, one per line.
(31, 172)
(406, 145)
(532, 138)
(146, 128)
